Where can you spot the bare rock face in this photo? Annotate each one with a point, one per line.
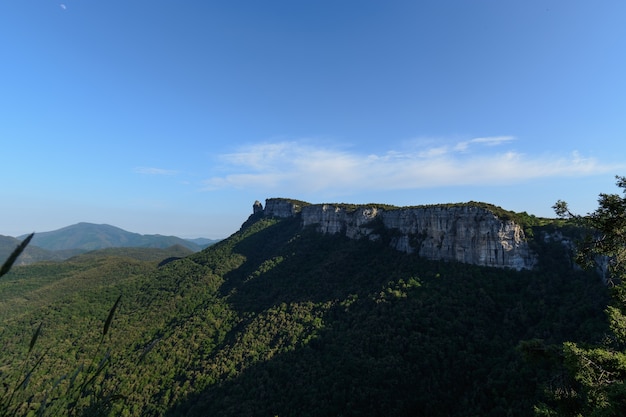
(463, 233)
(467, 234)
(280, 207)
(333, 219)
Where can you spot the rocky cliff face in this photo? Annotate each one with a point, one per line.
(281, 207)
(463, 233)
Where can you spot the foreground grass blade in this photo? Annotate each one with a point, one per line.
(107, 323)
(6, 267)
(33, 340)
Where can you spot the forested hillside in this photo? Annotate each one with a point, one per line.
(280, 320)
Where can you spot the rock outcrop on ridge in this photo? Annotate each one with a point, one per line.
(466, 233)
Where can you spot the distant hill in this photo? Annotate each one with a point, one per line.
(89, 236)
(141, 254)
(203, 242)
(7, 244)
(32, 253)
(70, 241)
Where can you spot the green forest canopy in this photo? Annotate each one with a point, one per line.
(276, 320)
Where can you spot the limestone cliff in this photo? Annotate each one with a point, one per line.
(465, 233)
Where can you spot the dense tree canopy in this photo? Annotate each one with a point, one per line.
(598, 372)
(280, 320)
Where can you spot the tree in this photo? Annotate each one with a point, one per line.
(598, 386)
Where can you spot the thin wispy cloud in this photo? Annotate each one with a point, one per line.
(154, 171)
(486, 141)
(293, 166)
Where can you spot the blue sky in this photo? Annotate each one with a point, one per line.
(173, 117)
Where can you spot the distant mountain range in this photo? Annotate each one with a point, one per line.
(84, 237)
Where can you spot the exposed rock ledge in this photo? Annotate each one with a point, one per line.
(464, 233)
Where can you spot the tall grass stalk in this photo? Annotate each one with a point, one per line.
(6, 401)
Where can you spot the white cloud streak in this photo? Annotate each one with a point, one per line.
(292, 167)
(488, 141)
(154, 171)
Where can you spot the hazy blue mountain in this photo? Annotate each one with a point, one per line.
(203, 242)
(89, 236)
(7, 244)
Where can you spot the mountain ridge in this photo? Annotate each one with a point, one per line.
(92, 236)
(475, 233)
(72, 240)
